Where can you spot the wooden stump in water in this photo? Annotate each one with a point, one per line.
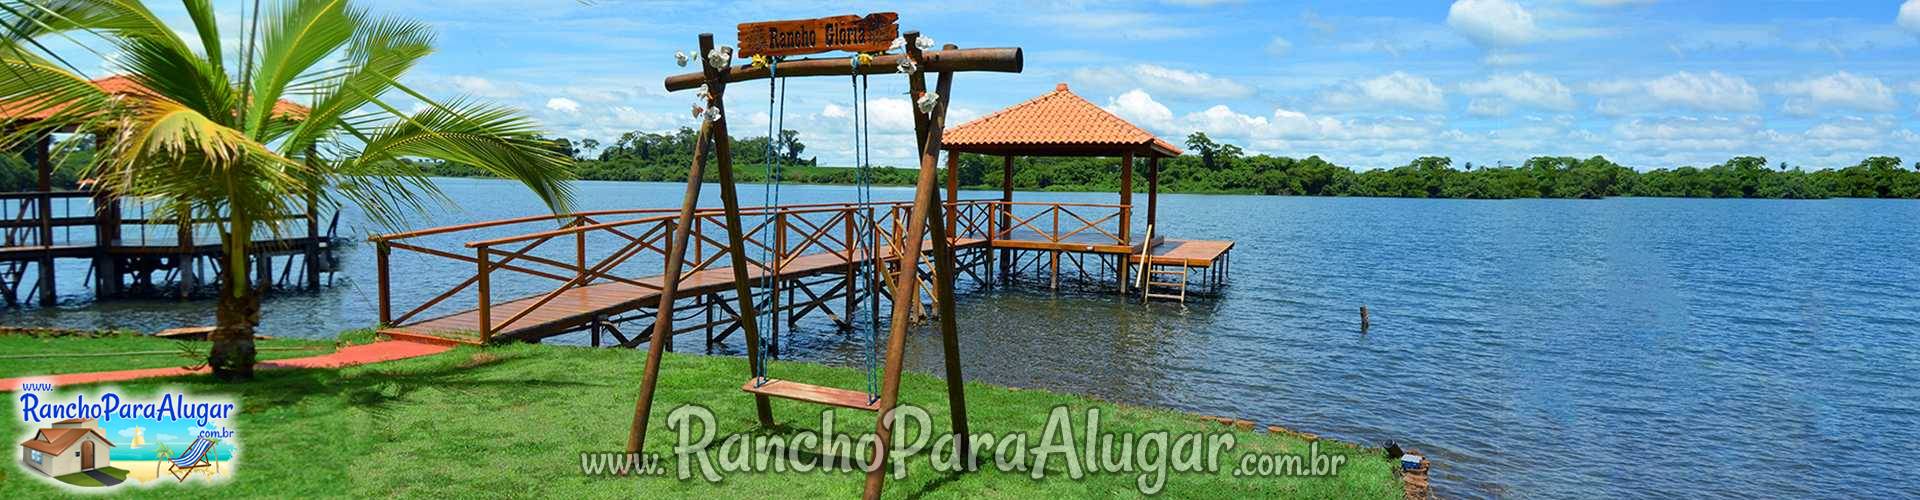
(1364, 322)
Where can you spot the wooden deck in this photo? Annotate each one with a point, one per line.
(579, 306)
(1191, 253)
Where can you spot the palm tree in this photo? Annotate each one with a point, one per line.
(215, 134)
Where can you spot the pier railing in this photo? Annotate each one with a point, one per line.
(555, 255)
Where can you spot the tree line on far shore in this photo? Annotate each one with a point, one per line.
(1210, 167)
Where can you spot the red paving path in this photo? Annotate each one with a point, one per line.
(386, 350)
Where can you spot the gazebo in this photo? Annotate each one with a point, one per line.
(1061, 123)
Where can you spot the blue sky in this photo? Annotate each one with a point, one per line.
(1650, 83)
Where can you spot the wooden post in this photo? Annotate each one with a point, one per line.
(183, 236)
(380, 252)
(1153, 191)
(1126, 198)
(943, 275)
(580, 250)
(486, 294)
(106, 224)
(669, 285)
(853, 269)
(1006, 214)
(953, 190)
(905, 295)
(1126, 215)
(313, 241)
(42, 150)
(717, 132)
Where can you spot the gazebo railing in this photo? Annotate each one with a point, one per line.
(1053, 222)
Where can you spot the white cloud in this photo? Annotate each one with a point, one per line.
(1839, 90)
(1396, 90)
(1279, 47)
(1492, 22)
(1139, 107)
(1525, 88)
(482, 87)
(1910, 15)
(1712, 91)
(1508, 58)
(832, 110)
(563, 105)
(1359, 142)
(1163, 80)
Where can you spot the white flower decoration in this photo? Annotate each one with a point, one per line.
(899, 44)
(924, 43)
(680, 57)
(927, 101)
(711, 115)
(704, 94)
(720, 57)
(907, 65)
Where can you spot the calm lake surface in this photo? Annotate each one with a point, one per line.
(1534, 348)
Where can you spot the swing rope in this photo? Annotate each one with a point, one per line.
(770, 192)
(863, 185)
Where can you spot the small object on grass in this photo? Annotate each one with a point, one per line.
(1411, 462)
(1393, 449)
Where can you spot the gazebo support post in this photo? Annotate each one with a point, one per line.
(1126, 214)
(1006, 213)
(1153, 191)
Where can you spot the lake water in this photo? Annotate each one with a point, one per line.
(1534, 348)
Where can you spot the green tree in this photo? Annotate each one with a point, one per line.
(211, 139)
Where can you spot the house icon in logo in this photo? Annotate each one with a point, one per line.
(70, 446)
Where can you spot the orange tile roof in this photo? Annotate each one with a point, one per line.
(1058, 123)
(116, 85)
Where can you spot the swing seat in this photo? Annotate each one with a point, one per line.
(830, 396)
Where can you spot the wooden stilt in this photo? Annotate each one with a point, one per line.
(905, 294)
(676, 253)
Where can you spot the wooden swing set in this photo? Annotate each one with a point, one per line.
(768, 42)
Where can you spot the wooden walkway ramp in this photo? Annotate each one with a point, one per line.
(594, 288)
(575, 308)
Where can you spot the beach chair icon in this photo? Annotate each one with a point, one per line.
(194, 458)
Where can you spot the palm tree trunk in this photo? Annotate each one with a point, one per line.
(238, 311)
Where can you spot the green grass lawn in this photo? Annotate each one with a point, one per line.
(28, 355)
(513, 420)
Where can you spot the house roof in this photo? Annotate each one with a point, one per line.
(29, 110)
(56, 441)
(1058, 123)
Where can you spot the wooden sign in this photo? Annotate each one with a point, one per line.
(873, 33)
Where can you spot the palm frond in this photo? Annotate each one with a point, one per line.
(173, 152)
(208, 27)
(493, 138)
(384, 49)
(299, 35)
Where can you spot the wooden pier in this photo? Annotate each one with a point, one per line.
(131, 255)
(603, 267)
